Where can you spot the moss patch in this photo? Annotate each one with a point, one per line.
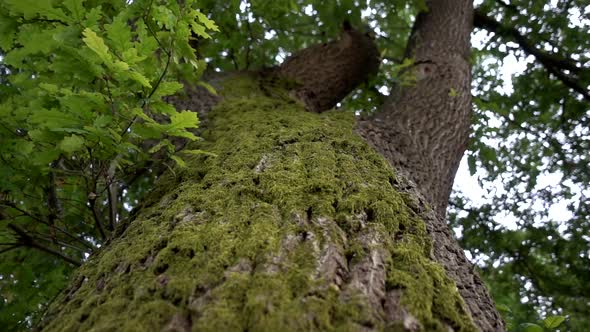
(225, 242)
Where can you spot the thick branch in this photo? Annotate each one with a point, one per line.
(554, 63)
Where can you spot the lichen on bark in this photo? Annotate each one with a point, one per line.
(294, 224)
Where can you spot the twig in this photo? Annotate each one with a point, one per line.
(92, 200)
(27, 240)
(11, 247)
(55, 208)
(112, 195)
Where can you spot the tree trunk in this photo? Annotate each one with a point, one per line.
(424, 128)
(295, 224)
(423, 132)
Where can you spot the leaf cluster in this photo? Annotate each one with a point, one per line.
(82, 95)
(530, 149)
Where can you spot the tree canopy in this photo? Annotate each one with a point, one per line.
(83, 86)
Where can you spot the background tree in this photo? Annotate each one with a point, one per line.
(548, 130)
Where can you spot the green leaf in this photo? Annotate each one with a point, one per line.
(162, 144)
(70, 130)
(147, 131)
(158, 106)
(208, 86)
(24, 147)
(472, 165)
(52, 119)
(102, 121)
(93, 16)
(164, 16)
(119, 32)
(131, 56)
(421, 5)
(72, 143)
(119, 66)
(51, 88)
(181, 121)
(199, 30)
(36, 40)
(198, 152)
(140, 79)
(168, 88)
(138, 112)
(76, 8)
(502, 307)
(453, 93)
(8, 29)
(530, 327)
(181, 163)
(95, 43)
(45, 157)
(184, 119)
(206, 21)
(32, 8)
(487, 153)
(553, 322)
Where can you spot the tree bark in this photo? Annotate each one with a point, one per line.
(295, 224)
(424, 128)
(423, 132)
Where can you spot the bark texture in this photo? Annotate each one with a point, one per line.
(423, 132)
(296, 224)
(423, 129)
(326, 73)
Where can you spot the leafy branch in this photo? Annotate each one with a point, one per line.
(553, 63)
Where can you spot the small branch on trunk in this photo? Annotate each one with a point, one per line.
(44, 222)
(112, 193)
(97, 220)
(25, 213)
(55, 241)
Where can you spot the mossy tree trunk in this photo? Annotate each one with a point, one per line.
(295, 224)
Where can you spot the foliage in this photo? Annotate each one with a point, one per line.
(81, 90)
(530, 150)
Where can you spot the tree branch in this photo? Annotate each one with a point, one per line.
(44, 222)
(97, 220)
(11, 246)
(53, 203)
(112, 194)
(553, 63)
(26, 240)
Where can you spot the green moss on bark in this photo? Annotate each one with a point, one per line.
(232, 242)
